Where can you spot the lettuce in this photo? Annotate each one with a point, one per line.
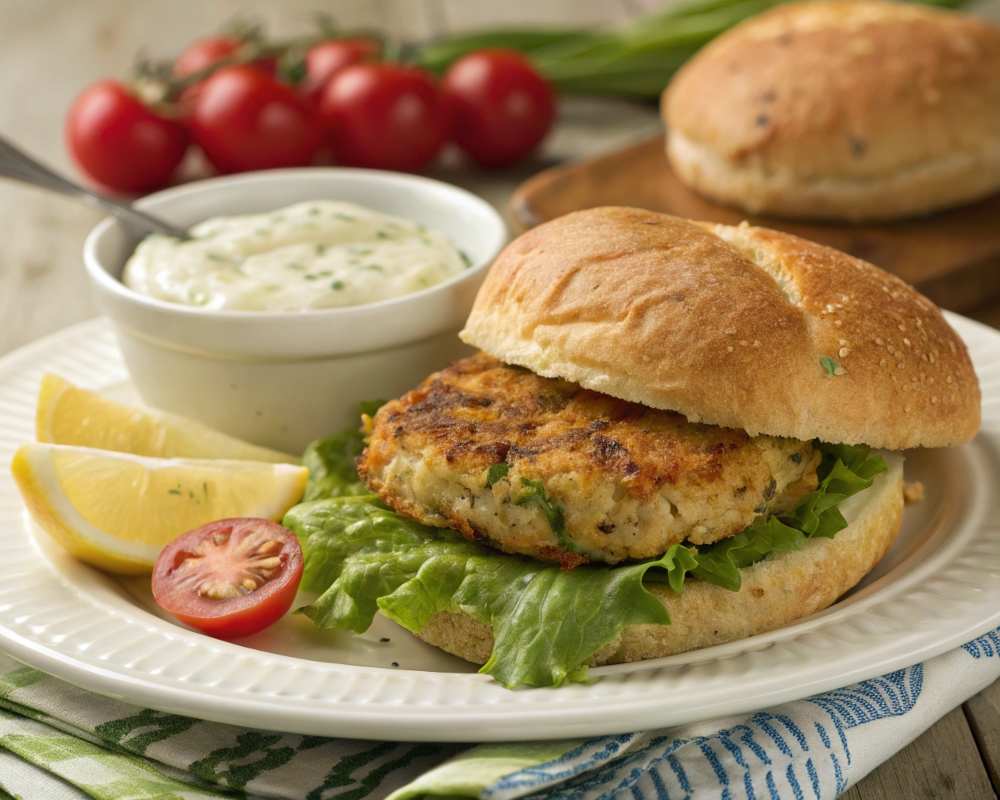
(362, 557)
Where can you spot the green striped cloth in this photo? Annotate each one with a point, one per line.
(58, 741)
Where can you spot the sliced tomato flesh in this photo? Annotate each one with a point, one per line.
(230, 578)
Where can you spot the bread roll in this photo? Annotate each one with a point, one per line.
(841, 110)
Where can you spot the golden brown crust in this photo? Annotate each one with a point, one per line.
(846, 109)
(775, 592)
(629, 481)
(728, 325)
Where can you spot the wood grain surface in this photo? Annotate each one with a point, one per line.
(50, 49)
(952, 257)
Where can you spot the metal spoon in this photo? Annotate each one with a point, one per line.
(15, 164)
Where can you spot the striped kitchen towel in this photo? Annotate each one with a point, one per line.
(58, 741)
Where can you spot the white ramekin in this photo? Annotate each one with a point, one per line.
(283, 379)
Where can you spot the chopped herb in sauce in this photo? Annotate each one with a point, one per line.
(830, 365)
(263, 260)
(465, 258)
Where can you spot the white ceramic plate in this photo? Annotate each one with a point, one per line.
(938, 587)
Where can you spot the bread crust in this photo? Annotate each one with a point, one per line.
(845, 109)
(728, 326)
(784, 587)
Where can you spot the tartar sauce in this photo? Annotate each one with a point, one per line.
(317, 254)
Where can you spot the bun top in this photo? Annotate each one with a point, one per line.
(844, 88)
(732, 326)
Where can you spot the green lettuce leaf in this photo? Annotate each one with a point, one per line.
(331, 462)
(547, 622)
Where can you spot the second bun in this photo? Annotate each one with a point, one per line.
(843, 109)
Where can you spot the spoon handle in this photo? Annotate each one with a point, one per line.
(17, 165)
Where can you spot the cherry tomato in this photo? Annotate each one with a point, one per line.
(498, 104)
(385, 116)
(122, 143)
(202, 53)
(244, 120)
(325, 59)
(230, 578)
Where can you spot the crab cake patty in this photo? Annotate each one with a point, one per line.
(576, 475)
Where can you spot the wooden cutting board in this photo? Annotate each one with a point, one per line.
(952, 257)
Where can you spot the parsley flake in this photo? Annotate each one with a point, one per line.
(829, 365)
(496, 472)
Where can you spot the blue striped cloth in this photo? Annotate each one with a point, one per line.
(59, 742)
(811, 749)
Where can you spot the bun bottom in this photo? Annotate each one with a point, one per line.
(953, 180)
(784, 587)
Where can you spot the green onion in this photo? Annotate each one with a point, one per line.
(633, 60)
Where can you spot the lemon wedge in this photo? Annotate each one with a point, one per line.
(117, 510)
(70, 415)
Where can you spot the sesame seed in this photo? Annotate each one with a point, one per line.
(839, 371)
(844, 351)
(950, 379)
(730, 331)
(879, 341)
(906, 341)
(901, 365)
(882, 363)
(837, 322)
(730, 348)
(743, 343)
(901, 326)
(933, 400)
(906, 409)
(890, 349)
(906, 387)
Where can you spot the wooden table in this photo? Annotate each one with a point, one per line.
(49, 49)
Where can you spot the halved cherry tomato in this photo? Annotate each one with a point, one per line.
(120, 142)
(325, 59)
(230, 578)
(382, 115)
(243, 120)
(498, 104)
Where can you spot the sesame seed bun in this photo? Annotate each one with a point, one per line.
(784, 587)
(846, 110)
(733, 326)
